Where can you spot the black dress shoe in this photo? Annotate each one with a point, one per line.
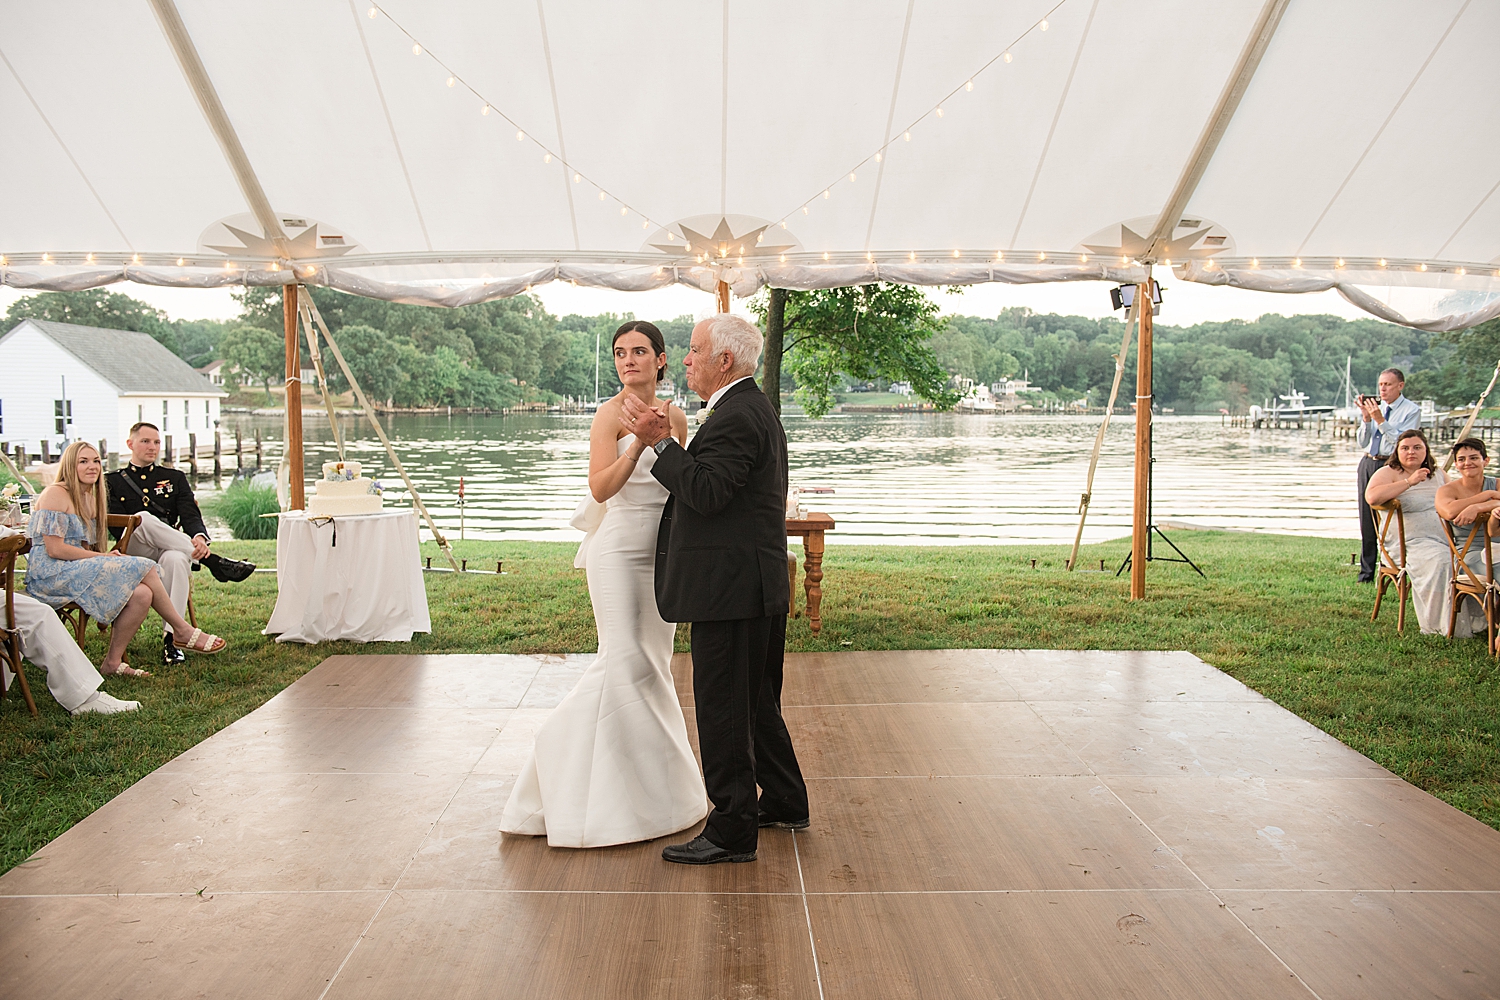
(701, 851)
(170, 654)
(227, 570)
(785, 824)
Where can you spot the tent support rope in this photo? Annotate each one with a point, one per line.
(1088, 486)
(416, 498)
(317, 360)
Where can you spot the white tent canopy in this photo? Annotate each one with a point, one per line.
(454, 152)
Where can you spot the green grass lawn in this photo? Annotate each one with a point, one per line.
(1282, 614)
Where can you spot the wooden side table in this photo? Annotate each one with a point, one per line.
(810, 529)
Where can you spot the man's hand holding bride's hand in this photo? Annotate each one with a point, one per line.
(648, 423)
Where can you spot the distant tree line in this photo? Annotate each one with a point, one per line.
(500, 353)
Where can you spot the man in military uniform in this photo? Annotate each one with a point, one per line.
(172, 532)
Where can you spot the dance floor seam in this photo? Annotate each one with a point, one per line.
(1015, 823)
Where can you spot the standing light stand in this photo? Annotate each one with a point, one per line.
(1153, 530)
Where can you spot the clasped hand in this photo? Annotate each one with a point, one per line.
(649, 424)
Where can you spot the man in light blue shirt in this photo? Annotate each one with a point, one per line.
(1385, 419)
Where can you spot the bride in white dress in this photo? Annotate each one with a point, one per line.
(612, 764)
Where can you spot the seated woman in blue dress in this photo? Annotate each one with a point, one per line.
(70, 560)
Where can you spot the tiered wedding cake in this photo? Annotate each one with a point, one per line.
(343, 491)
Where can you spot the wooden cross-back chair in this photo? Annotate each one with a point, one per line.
(1466, 582)
(1392, 568)
(12, 546)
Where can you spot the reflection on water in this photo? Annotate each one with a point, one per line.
(908, 478)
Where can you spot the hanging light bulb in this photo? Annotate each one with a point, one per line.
(1040, 255)
(955, 253)
(1339, 262)
(825, 254)
(645, 223)
(940, 112)
(1382, 262)
(601, 195)
(416, 50)
(869, 257)
(485, 110)
(452, 80)
(546, 157)
(969, 86)
(907, 137)
(1421, 267)
(520, 136)
(1255, 262)
(229, 265)
(275, 264)
(89, 258)
(1296, 262)
(180, 261)
(783, 258)
(1124, 260)
(912, 255)
(1007, 57)
(624, 210)
(135, 259)
(373, 13)
(1083, 258)
(1461, 272)
(1043, 25)
(1167, 262)
(804, 209)
(999, 254)
(577, 177)
(783, 223)
(851, 177)
(2, 260)
(47, 258)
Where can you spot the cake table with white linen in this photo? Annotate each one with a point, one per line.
(357, 577)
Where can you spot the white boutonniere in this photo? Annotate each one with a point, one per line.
(704, 414)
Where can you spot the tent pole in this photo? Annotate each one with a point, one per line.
(1139, 527)
(295, 472)
(1088, 486)
(1473, 415)
(723, 296)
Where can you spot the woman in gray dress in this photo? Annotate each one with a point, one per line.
(70, 560)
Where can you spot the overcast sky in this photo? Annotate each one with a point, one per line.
(1185, 303)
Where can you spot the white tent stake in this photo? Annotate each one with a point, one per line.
(416, 498)
(1088, 486)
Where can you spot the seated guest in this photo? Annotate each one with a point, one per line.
(1463, 500)
(1411, 476)
(71, 678)
(172, 533)
(70, 560)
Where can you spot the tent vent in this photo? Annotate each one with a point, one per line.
(1215, 241)
(294, 223)
(338, 241)
(1189, 223)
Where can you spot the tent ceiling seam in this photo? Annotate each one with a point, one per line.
(1467, 218)
(724, 121)
(66, 151)
(1383, 125)
(562, 147)
(1218, 123)
(217, 119)
(890, 118)
(390, 123)
(1056, 116)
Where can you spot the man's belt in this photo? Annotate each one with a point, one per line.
(160, 513)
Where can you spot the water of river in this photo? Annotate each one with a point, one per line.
(947, 479)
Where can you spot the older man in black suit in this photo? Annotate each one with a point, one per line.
(721, 565)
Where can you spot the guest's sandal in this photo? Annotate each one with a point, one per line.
(123, 670)
(200, 642)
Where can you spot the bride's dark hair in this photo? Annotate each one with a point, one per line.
(658, 342)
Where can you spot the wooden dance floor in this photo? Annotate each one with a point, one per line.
(1021, 824)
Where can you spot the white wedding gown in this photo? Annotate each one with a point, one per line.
(612, 764)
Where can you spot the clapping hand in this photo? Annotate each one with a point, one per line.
(649, 424)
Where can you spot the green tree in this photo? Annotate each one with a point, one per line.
(259, 354)
(96, 307)
(866, 332)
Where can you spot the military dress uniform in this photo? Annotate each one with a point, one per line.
(170, 520)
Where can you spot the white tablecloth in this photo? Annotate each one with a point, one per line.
(357, 578)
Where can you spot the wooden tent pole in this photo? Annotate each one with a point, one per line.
(1140, 527)
(295, 474)
(1088, 485)
(723, 296)
(1473, 415)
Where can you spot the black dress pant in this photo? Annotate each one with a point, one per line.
(737, 676)
(1367, 547)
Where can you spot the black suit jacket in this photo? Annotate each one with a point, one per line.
(721, 550)
(165, 493)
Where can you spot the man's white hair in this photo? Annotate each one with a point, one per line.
(738, 336)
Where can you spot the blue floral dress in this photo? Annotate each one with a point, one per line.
(99, 586)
